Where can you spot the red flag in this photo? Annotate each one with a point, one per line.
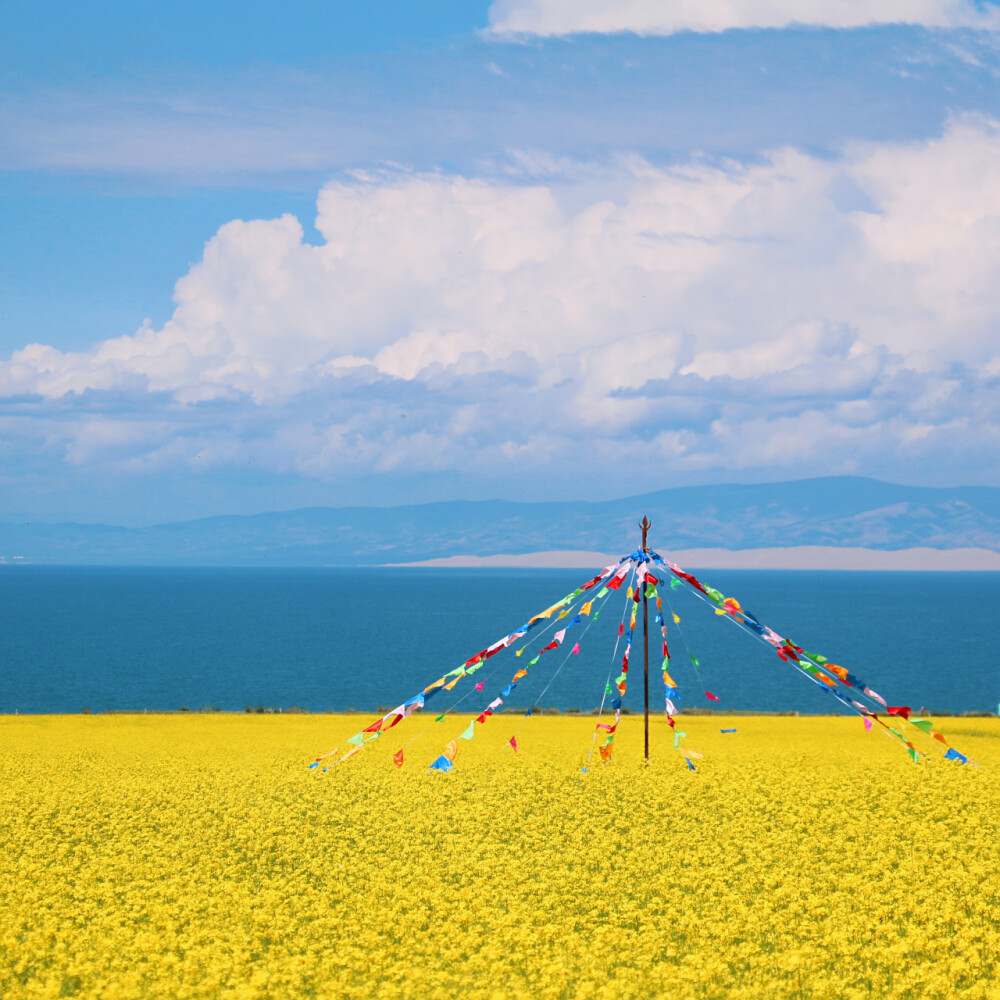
(479, 686)
(902, 710)
(512, 743)
(551, 645)
(710, 696)
(397, 758)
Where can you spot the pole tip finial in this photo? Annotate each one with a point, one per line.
(645, 525)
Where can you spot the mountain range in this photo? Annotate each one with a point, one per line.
(833, 511)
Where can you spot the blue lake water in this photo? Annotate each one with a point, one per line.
(74, 638)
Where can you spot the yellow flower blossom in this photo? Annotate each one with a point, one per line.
(197, 857)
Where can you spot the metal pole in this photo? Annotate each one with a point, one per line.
(645, 525)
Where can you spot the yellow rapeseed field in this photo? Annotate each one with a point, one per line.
(196, 856)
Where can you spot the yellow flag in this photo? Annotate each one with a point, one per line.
(677, 618)
(585, 610)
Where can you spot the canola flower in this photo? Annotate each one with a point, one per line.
(195, 856)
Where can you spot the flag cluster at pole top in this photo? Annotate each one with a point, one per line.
(639, 576)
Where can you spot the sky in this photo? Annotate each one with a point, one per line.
(324, 253)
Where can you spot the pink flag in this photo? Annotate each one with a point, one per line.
(512, 743)
(479, 686)
(710, 696)
(867, 722)
(576, 648)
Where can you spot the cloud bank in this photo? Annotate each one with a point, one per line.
(789, 316)
(653, 17)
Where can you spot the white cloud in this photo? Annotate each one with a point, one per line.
(654, 17)
(793, 315)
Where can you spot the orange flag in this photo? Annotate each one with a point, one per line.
(397, 758)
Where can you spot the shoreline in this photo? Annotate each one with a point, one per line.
(567, 713)
(795, 557)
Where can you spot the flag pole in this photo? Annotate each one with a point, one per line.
(645, 525)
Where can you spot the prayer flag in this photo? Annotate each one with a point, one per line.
(953, 754)
(442, 764)
(512, 743)
(867, 722)
(397, 758)
(480, 685)
(467, 735)
(875, 695)
(710, 696)
(451, 749)
(575, 649)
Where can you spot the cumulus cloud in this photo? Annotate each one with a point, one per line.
(653, 17)
(793, 315)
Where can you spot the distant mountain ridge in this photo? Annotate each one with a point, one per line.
(832, 511)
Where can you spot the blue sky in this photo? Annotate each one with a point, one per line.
(307, 255)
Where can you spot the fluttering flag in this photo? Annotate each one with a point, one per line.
(901, 710)
(397, 758)
(868, 722)
(451, 750)
(559, 636)
(690, 763)
(442, 764)
(512, 743)
(575, 649)
(480, 685)
(329, 753)
(467, 735)
(710, 696)
(440, 718)
(728, 730)
(677, 618)
(875, 695)
(953, 754)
